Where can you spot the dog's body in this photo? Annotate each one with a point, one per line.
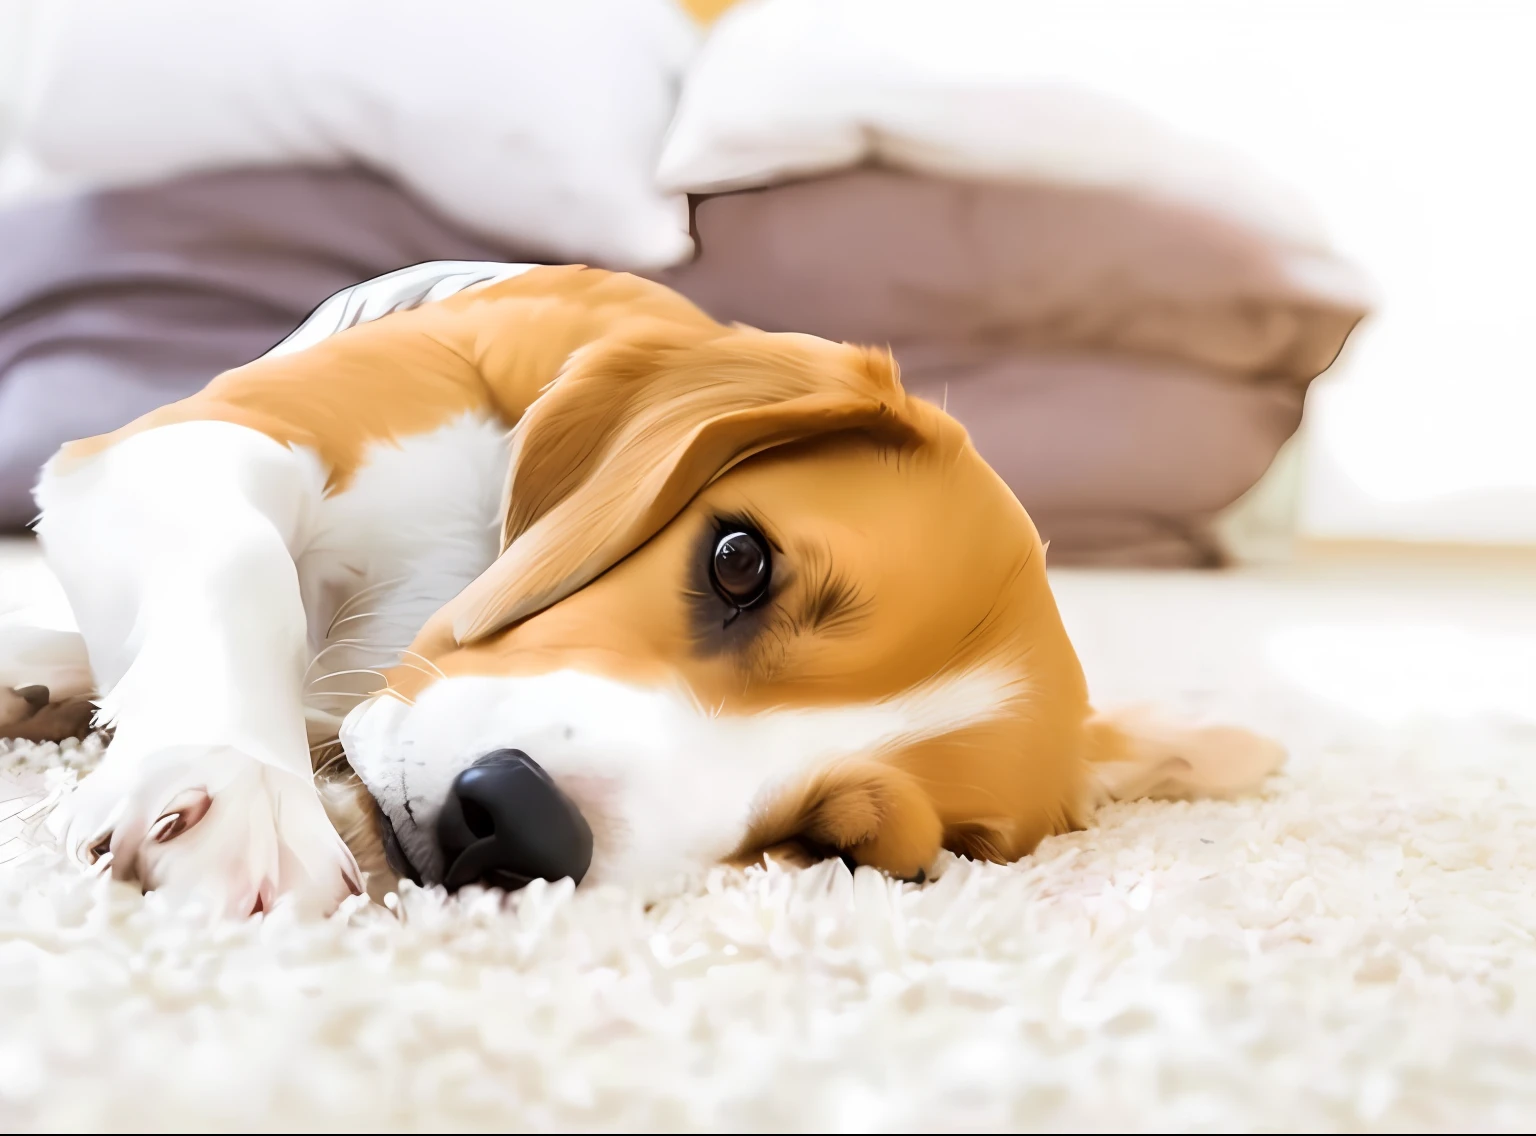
(728, 591)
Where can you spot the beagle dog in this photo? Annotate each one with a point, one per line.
(568, 580)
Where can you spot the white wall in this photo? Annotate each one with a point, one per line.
(20, 26)
(1411, 127)
(1426, 169)
(15, 16)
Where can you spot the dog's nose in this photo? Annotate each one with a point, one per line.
(506, 823)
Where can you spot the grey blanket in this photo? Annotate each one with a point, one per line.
(112, 304)
(1129, 368)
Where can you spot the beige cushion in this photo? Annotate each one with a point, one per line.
(1129, 366)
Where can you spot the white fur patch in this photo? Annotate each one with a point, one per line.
(196, 633)
(195, 626)
(667, 786)
(419, 520)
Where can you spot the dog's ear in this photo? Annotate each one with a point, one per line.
(635, 426)
(1139, 752)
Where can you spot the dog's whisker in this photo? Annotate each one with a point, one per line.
(364, 593)
(342, 694)
(422, 670)
(351, 671)
(385, 690)
(335, 623)
(426, 660)
(335, 646)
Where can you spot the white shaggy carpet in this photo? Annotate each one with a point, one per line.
(1352, 951)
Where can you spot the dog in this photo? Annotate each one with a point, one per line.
(576, 582)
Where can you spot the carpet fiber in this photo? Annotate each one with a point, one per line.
(1352, 950)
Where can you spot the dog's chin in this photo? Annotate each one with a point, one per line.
(367, 831)
(394, 855)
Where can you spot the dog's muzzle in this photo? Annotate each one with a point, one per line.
(506, 823)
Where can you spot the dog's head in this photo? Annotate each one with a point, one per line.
(751, 595)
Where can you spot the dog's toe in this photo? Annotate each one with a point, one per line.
(218, 826)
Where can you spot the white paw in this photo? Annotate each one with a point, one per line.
(211, 823)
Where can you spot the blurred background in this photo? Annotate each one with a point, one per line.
(1210, 282)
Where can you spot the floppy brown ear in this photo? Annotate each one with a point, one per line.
(1139, 752)
(634, 427)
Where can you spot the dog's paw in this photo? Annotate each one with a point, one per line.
(212, 823)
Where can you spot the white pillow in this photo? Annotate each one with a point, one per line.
(1052, 90)
(537, 124)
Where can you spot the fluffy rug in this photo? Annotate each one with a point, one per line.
(1352, 950)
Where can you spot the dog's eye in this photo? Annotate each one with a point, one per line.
(741, 567)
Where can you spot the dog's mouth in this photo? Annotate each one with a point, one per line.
(394, 854)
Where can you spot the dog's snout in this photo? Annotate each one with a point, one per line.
(506, 823)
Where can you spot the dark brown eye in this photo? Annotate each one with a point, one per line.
(741, 568)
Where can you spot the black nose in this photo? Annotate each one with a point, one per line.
(506, 823)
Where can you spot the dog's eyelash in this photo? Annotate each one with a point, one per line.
(746, 519)
(831, 603)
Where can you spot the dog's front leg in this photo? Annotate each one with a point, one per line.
(176, 548)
